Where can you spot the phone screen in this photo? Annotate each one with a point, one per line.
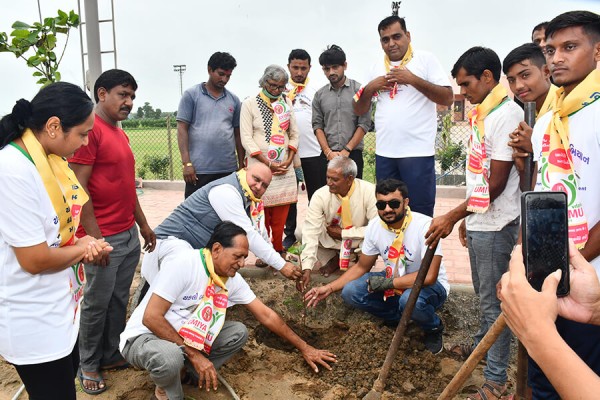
(545, 237)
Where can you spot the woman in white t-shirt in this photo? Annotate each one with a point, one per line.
(41, 278)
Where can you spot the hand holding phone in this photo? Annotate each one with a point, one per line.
(545, 233)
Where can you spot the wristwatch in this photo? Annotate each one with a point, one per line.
(347, 149)
(188, 164)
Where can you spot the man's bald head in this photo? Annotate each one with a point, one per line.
(258, 177)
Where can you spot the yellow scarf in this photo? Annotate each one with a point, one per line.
(388, 66)
(63, 188)
(396, 252)
(343, 218)
(478, 160)
(549, 102)
(557, 169)
(280, 124)
(298, 88)
(257, 209)
(203, 327)
(345, 211)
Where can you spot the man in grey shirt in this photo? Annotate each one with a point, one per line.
(339, 131)
(208, 127)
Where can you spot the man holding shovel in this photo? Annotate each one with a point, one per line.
(398, 236)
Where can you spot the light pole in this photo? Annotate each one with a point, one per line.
(181, 70)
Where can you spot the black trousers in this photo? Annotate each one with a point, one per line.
(52, 380)
(203, 179)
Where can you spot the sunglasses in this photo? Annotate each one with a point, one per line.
(394, 204)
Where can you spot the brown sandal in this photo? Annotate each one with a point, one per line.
(462, 350)
(489, 391)
(260, 263)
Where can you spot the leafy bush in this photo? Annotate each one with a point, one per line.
(157, 165)
(130, 123)
(450, 154)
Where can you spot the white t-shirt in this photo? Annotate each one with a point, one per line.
(39, 319)
(182, 281)
(406, 125)
(584, 137)
(378, 241)
(498, 124)
(308, 146)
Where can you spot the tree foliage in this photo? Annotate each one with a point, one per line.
(36, 44)
(147, 111)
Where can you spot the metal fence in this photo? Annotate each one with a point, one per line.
(154, 145)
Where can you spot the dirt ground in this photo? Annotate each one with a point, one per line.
(269, 368)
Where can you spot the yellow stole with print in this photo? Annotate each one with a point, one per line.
(396, 253)
(257, 209)
(388, 66)
(298, 88)
(557, 170)
(63, 188)
(203, 327)
(344, 220)
(67, 197)
(281, 122)
(478, 160)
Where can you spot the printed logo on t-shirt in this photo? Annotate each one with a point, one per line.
(393, 253)
(191, 296)
(579, 154)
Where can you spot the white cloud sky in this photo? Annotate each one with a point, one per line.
(153, 35)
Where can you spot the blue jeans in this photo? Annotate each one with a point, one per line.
(356, 294)
(419, 175)
(489, 253)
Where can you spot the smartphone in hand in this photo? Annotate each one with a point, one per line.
(545, 234)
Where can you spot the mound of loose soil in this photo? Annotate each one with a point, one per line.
(269, 368)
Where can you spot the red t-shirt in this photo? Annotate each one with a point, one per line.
(112, 182)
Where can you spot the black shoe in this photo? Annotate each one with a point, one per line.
(433, 340)
(289, 242)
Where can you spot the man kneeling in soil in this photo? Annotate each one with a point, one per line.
(179, 333)
(398, 235)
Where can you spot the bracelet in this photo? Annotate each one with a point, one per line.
(328, 153)
(269, 164)
(347, 149)
(188, 164)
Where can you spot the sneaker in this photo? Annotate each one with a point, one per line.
(433, 340)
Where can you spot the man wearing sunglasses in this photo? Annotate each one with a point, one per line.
(398, 236)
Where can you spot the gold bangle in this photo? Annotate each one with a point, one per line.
(188, 164)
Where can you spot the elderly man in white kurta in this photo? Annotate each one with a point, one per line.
(337, 217)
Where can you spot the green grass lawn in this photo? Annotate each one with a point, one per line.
(147, 143)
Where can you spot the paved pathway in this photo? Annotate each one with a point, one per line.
(158, 204)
